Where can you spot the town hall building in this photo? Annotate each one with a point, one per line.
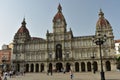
(61, 50)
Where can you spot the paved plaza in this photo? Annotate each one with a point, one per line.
(114, 75)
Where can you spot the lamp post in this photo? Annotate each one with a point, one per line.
(99, 40)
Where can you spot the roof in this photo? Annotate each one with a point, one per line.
(37, 38)
(117, 41)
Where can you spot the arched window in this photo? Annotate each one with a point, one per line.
(59, 52)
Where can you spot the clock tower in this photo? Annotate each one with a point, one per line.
(59, 23)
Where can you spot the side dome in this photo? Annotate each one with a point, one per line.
(102, 22)
(22, 34)
(23, 28)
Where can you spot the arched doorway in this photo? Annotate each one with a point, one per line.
(77, 67)
(58, 52)
(42, 67)
(32, 68)
(68, 67)
(88, 66)
(95, 66)
(37, 68)
(59, 67)
(27, 67)
(108, 66)
(82, 66)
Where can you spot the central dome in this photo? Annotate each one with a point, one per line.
(59, 15)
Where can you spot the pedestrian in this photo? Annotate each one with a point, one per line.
(5, 76)
(64, 71)
(48, 72)
(71, 74)
(94, 71)
(10, 73)
(51, 71)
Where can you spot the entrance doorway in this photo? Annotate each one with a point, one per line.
(42, 67)
(59, 67)
(27, 67)
(108, 66)
(37, 68)
(95, 66)
(82, 66)
(77, 67)
(67, 67)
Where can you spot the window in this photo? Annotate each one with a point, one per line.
(50, 55)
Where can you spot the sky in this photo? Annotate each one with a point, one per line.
(81, 16)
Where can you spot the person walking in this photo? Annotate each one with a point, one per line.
(5, 76)
(48, 72)
(64, 71)
(51, 71)
(71, 74)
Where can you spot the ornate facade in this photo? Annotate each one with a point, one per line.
(61, 49)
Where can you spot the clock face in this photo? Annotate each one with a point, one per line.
(58, 22)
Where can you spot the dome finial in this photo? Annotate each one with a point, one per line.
(23, 23)
(100, 10)
(101, 14)
(59, 7)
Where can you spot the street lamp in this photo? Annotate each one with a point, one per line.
(99, 40)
